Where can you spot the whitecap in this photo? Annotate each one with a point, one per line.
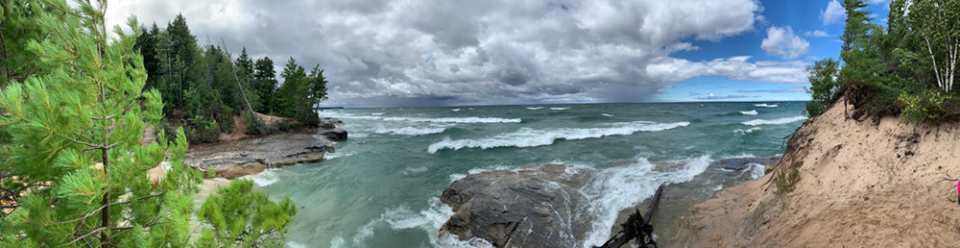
(534, 108)
(780, 121)
(751, 112)
(766, 105)
(456, 110)
(328, 156)
(376, 114)
(618, 188)
(264, 178)
(749, 130)
(456, 119)
(559, 108)
(527, 137)
(757, 170)
(607, 115)
(410, 131)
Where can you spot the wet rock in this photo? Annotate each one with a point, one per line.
(531, 207)
(736, 165)
(251, 156)
(330, 123)
(336, 134)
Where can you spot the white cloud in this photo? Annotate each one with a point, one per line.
(782, 42)
(833, 14)
(816, 33)
(409, 52)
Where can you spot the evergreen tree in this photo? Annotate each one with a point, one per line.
(291, 92)
(823, 85)
(18, 28)
(147, 45)
(75, 144)
(265, 84)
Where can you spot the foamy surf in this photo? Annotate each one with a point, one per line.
(780, 121)
(746, 131)
(264, 178)
(534, 108)
(462, 120)
(410, 131)
(765, 105)
(559, 108)
(527, 137)
(618, 188)
(751, 112)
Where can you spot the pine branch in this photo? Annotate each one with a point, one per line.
(88, 215)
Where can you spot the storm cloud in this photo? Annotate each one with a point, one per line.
(423, 53)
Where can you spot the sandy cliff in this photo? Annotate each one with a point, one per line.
(862, 184)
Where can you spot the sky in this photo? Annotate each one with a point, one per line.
(396, 53)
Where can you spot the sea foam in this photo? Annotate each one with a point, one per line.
(559, 108)
(746, 131)
(618, 188)
(766, 105)
(465, 120)
(527, 137)
(410, 131)
(534, 108)
(780, 121)
(751, 112)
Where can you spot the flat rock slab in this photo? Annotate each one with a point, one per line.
(251, 156)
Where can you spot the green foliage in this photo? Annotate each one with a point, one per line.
(73, 142)
(16, 22)
(243, 217)
(265, 84)
(928, 106)
(937, 23)
(300, 92)
(786, 178)
(824, 85)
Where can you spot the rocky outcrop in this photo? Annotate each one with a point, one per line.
(250, 156)
(530, 207)
(330, 128)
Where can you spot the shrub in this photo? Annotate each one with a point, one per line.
(787, 178)
(928, 106)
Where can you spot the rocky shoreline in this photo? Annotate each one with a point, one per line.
(253, 155)
(542, 205)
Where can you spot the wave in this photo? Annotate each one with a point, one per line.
(456, 110)
(744, 132)
(618, 188)
(410, 131)
(329, 156)
(757, 170)
(559, 108)
(607, 115)
(765, 105)
(264, 178)
(462, 120)
(527, 137)
(780, 121)
(751, 112)
(534, 108)
(376, 114)
(403, 218)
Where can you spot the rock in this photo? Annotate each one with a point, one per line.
(336, 134)
(733, 166)
(532, 207)
(251, 156)
(330, 123)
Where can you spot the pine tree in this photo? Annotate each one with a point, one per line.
(265, 84)
(18, 27)
(291, 92)
(75, 143)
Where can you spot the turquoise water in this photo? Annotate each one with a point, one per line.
(381, 187)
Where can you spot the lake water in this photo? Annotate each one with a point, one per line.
(382, 186)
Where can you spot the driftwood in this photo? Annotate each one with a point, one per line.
(636, 227)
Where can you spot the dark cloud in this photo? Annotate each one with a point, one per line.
(405, 52)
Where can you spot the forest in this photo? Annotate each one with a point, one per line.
(907, 68)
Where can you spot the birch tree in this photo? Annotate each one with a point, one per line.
(938, 23)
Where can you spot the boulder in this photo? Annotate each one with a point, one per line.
(330, 123)
(336, 134)
(534, 206)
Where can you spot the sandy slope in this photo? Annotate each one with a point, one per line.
(862, 185)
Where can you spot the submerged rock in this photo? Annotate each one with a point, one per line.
(251, 156)
(530, 207)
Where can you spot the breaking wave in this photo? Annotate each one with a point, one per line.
(463, 120)
(534, 108)
(751, 112)
(766, 105)
(527, 137)
(410, 131)
(749, 130)
(559, 108)
(780, 121)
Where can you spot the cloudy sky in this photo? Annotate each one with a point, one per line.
(473, 52)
